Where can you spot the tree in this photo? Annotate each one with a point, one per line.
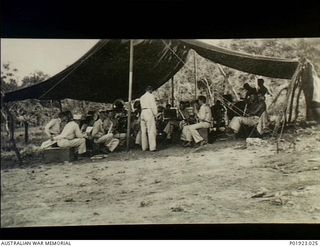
(9, 80)
(34, 78)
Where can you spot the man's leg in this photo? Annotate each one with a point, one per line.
(80, 143)
(113, 144)
(235, 124)
(195, 134)
(144, 137)
(186, 134)
(152, 133)
(138, 138)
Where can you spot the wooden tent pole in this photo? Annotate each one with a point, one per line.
(195, 74)
(130, 94)
(297, 104)
(172, 91)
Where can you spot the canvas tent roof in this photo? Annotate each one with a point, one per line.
(101, 75)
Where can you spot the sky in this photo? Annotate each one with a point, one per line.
(47, 55)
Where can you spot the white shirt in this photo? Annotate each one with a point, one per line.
(147, 101)
(53, 127)
(70, 131)
(205, 114)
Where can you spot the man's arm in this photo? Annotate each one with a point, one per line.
(154, 107)
(202, 113)
(95, 130)
(48, 127)
(77, 131)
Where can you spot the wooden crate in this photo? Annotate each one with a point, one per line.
(57, 154)
(204, 133)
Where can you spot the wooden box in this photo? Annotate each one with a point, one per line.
(204, 133)
(57, 154)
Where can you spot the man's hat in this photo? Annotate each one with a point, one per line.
(77, 116)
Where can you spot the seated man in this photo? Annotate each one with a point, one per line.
(256, 107)
(218, 113)
(180, 121)
(102, 132)
(204, 116)
(53, 128)
(71, 136)
(250, 91)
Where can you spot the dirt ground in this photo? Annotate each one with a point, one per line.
(224, 182)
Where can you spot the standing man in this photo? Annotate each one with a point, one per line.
(149, 111)
(204, 116)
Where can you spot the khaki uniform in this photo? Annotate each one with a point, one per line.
(99, 136)
(53, 128)
(71, 136)
(190, 132)
(148, 124)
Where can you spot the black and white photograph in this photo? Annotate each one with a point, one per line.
(159, 131)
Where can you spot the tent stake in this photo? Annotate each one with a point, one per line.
(130, 95)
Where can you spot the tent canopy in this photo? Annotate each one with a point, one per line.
(101, 75)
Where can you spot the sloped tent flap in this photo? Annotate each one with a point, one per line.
(101, 75)
(258, 65)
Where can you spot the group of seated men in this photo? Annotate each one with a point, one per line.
(98, 128)
(108, 128)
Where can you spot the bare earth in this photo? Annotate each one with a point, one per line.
(224, 182)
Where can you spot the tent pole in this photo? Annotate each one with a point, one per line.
(195, 74)
(130, 94)
(172, 91)
(227, 79)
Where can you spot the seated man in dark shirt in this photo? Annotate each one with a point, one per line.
(250, 91)
(262, 90)
(218, 112)
(256, 107)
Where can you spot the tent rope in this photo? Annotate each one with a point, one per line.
(192, 70)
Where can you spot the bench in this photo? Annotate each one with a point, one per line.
(58, 154)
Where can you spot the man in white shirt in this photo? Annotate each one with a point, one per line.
(149, 111)
(53, 128)
(71, 136)
(204, 116)
(102, 135)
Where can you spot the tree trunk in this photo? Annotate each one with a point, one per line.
(297, 104)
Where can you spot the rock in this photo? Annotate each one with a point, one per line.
(255, 142)
(157, 181)
(95, 213)
(315, 168)
(314, 160)
(69, 200)
(145, 203)
(88, 200)
(177, 209)
(290, 203)
(260, 193)
(277, 201)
